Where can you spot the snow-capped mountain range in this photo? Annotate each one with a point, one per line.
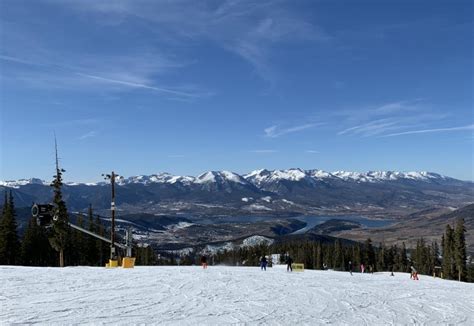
(257, 177)
(291, 191)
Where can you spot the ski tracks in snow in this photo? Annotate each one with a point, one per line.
(169, 295)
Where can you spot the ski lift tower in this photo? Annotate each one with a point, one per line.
(113, 262)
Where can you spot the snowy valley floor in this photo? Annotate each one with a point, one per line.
(227, 295)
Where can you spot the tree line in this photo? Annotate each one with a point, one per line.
(35, 247)
(449, 261)
(41, 246)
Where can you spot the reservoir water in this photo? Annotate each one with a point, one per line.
(311, 221)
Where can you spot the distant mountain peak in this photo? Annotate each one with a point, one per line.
(256, 177)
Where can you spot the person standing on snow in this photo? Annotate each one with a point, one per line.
(289, 261)
(350, 267)
(414, 273)
(204, 262)
(362, 268)
(263, 263)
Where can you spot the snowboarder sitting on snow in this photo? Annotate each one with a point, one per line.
(204, 262)
(263, 263)
(289, 261)
(350, 267)
(414, 273)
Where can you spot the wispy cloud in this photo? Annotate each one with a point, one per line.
(250, 29)
(372, 128)
(276, 131)
(83, 123)
(311, 151)
(137, 85)
(425, 131)
(263, 151)
(393, 117)
(90, 134)
(61, 76)
(16, 60)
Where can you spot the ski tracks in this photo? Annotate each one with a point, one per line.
(227, 295)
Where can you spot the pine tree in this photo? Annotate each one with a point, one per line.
(401, 260)
(369, 253)
(91, 248)
(9, 242)
(319, 256)
(460, 250)
(435, 262)
(28, 245)
(357, 259)
(79, 245)
(102, 248)
(420, 259)
(449, 267)
(381, 261)
(391, 256)
(61, 231)
(35, 247)
(337, 257)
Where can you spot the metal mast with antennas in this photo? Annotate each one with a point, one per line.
(111, 177)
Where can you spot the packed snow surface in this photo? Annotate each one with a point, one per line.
(227, 295)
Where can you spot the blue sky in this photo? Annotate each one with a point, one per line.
(188, 86)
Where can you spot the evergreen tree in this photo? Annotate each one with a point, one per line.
(420, 259)
(460, 250)
(35, 247)
(79, 244)
(91, 247)
(449, 267)
(391, 257)
(60, 231)
(369, 253)
(9, 242)
(102, 248)
(403, 259)
(435, 261)
(338, 256)
(357, 259)
(381, 258)
(319, 256)
(145, 255)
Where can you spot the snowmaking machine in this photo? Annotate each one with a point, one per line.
(46, 216)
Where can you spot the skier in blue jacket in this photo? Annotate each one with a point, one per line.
(263, 263)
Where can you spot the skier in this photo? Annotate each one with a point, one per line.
(414, 273)
(350, 267)
(263, 263)
(371, 269)
(289, 261)
(204, 262)
(362, 268)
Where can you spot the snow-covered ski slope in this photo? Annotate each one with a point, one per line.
(227, 295)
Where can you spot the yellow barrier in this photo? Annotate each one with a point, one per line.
(112, 263)
(128, 262)
(297, 267)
